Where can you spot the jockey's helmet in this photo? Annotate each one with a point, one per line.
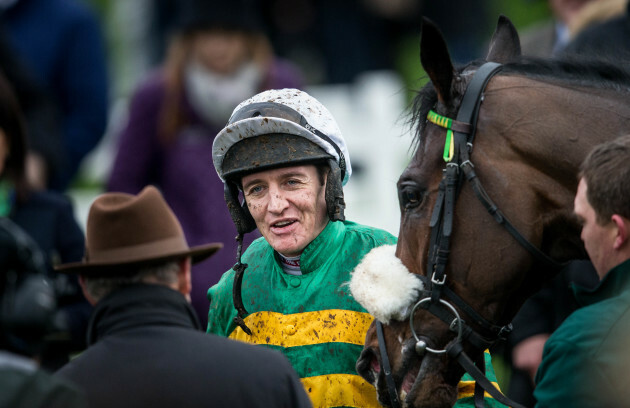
(280, 128)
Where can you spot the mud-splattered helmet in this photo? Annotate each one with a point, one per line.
(280, 128)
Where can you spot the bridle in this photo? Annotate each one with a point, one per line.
(436, 297)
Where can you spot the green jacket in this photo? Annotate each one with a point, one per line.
(587, 359)
(311, 318)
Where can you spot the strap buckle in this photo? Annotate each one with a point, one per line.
(435, 281)
(505, 331)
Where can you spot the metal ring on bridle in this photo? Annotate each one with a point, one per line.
(457, 321)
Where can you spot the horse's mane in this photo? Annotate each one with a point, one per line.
(596, 74)
(571, 71)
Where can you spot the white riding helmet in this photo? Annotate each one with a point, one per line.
(279, 112)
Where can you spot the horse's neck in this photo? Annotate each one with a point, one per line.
(555, 126)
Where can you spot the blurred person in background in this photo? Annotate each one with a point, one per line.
(335, 41)
(549, 37)
(596, 12)
(218, 57)
(608, 40)
(61, 45)
(45, 149)
(48, 218)
(27, 308)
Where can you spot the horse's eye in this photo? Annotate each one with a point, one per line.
(409, 196)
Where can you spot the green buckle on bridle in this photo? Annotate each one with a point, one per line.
(442, 121)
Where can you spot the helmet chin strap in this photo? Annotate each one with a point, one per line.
(237, 298)
(244, 223)
(239, 212)
(335, 204)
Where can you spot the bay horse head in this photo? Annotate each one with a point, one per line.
(486, 208)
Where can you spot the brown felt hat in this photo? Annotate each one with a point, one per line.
(132, 230)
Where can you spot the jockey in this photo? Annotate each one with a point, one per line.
(284, 153)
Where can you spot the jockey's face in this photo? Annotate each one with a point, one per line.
(288, 205)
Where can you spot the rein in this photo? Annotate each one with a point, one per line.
(437, 298)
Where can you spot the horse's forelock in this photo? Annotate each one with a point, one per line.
(423, 102)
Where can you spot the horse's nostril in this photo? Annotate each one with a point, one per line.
(368, 366)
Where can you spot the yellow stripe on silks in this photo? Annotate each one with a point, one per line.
(300, 329)
(340, 390)
(466, 389)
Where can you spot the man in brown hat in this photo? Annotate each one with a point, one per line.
(145, 345)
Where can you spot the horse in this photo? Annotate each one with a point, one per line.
(485, 230)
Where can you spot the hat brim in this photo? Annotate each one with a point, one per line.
(198, 254)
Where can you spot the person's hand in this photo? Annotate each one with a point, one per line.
(527, 354)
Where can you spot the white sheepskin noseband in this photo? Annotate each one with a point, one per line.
(383, 285)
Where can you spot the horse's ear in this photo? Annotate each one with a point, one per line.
(505, 45)
(436, 60)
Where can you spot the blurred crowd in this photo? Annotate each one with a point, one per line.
(68, 68)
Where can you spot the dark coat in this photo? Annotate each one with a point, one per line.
(609, 40)
(25, 386)
(61, 42)
(145, 349)
(48, 217)
(543, 313)
(585, 361)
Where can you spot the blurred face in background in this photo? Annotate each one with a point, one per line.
(221, 51)
(220, 73)
(566, 10)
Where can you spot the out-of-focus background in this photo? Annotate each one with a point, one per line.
(360, 58)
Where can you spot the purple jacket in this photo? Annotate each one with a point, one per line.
(185, 174)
